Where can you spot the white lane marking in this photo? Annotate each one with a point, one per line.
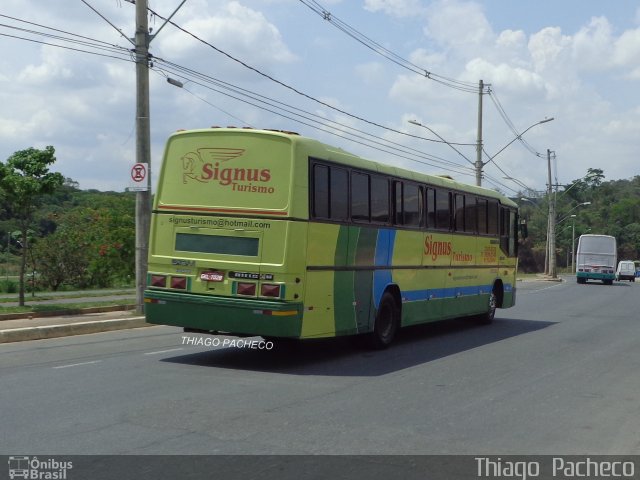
(78, 364)
(163, 351)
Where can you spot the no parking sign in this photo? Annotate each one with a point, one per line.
(138, 181)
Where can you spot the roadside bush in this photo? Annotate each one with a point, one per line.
(8, 286)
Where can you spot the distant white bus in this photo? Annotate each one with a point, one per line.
(596, 258)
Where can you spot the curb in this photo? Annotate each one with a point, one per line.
(68, 311)
(79, 328)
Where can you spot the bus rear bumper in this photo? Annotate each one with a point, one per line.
(223, 315)
(596, 276)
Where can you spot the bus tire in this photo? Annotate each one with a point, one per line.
(487, 317)
(581, 280)
(386, 323)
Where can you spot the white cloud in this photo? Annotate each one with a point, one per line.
(395, 8)
(592, 45)
(236, 29)
(453, 23)
(505, 77)
(627, 49)
(549, 48)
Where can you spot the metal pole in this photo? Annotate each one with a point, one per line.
(573, 245)
(479, 141)
(143, 150)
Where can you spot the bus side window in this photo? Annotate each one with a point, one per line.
(470, 214)
(359, 197)
(513, 233)
(320, 207)
(458, 212)
(397, 204)
(339, 194)
(431, 208)
(505, 231)
(443, 210)
(379, 199)
(482, 216)
(493, 218)
(412, 202)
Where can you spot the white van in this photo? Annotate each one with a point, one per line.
(626, 271)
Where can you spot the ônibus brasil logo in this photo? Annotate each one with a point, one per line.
(207, 165)
(35, 468)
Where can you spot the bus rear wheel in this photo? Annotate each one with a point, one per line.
(386, 323)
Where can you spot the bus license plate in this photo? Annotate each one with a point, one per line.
(212, 276)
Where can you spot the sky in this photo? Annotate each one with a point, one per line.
(350, 73)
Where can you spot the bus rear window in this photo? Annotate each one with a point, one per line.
(223, 245)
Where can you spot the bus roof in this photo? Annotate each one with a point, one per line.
(338, 155)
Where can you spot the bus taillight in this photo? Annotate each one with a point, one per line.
(269, 290)
(179, 282)
(158, 281)
(248, 289)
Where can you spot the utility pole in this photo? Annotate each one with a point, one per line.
(143, 149)
(479, 141)
(552, 222)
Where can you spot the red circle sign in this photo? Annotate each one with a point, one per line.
(139, 172)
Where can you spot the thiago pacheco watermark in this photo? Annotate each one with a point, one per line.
(559, 467)
(35, 468)
(248, 344)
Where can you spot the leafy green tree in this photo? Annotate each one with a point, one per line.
(90, 248)
(24, 179)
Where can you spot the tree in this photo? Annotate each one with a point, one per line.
(24, 179)
(89, 248)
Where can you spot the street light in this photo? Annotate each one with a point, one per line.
(479, 164)
(415, 122)
(519, 137)
(569, 216)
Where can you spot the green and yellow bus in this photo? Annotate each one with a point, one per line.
(268, 233)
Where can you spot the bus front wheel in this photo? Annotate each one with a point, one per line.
(487, 317)
(386, 323)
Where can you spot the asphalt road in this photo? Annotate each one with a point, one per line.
(557, 374)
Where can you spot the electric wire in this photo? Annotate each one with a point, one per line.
(405, 152)
(295, 90)
(315, 117)
(510, 124)
(311, 120)
(388, 54)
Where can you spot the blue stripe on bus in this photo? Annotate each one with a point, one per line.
(384, 253)
(441, 293)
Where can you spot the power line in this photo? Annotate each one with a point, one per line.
(295, 90)
(69, 48)
(386, 53)
(65, 36)
(309, 119)
(328, 126)
(510, 124)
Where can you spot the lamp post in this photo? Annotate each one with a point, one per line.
(478, 164)
(573, 234)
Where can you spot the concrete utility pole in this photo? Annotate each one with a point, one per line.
(143, 150)
(552, 222)
(479, 141)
